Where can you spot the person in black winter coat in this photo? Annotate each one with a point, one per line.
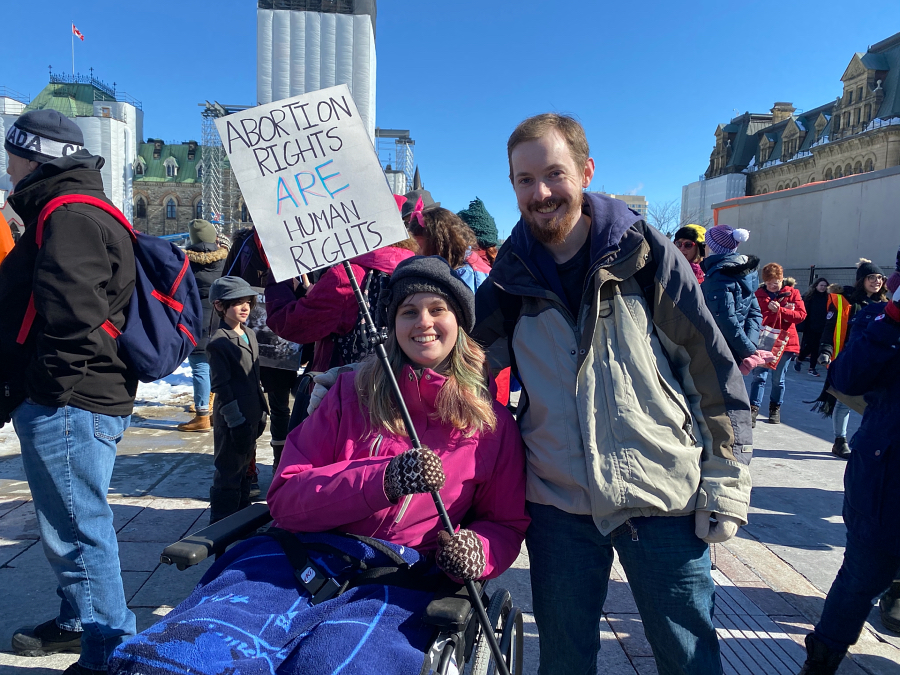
(207, 262)
(62, 382)
(869, 365)
(816, 301)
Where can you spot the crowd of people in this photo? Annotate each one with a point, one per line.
(590, 308)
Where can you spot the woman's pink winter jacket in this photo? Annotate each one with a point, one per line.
(331, 475)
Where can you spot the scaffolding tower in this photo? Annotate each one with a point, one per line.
(399, 153)
(219, 188)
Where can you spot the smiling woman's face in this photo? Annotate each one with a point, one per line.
(426, 329)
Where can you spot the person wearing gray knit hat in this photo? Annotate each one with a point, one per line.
(429, 274)
(202, 231)
(42, 136)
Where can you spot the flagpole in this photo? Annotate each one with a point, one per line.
(73, 47)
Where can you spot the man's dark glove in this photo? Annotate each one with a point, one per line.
(413, 472)
(261, 427)
(461, 556)
(243, 436)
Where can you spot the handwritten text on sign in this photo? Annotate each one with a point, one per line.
(312, 180)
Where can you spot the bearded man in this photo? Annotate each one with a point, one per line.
(634, 414)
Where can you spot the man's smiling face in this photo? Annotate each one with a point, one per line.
(549, 184)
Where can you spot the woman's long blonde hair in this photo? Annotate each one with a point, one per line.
(464, 402)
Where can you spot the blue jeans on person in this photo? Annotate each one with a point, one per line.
(840, 418)
(758, 377)
(68, 454)
(200, 380)
(668, 568)
(865, 574)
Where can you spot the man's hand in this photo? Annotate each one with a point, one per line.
(243, 436)
(233, 415)
(824, 359)
(714, 532)
(413, 472)
(324, 382)
(461, 556)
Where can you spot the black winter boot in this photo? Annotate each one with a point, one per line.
(754, 411)
(840, 448)
(820, 660)
(774, 414)
(890, 607)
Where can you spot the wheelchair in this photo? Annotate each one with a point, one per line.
(459, 642)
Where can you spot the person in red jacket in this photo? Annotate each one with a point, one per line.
(350, 466)
(782, 308)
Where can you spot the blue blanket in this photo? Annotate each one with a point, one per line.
(249, 615)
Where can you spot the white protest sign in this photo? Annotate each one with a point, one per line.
(312, 181)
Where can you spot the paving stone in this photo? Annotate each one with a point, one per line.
(730, 566)
(619, 599)
(766, 599)
(612, 657)
(132, 583)
(630, 632)
(167, 586)
(148, 616)
(163, 520)
(8, 504)
(46, 665)
(29, 589)
(126, 508)
(137, 556)
(645, 665)
(11, 549)
(20, 523)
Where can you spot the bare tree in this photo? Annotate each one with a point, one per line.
(665, 216)
(696, 217)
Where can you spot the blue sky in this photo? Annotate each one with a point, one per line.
(649, 80)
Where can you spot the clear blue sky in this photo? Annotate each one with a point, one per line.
(649, 80)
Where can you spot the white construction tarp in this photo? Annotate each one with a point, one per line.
(299, 52)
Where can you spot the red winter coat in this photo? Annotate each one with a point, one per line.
(331, 475)
(791, 312)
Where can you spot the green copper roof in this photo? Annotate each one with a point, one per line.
(72, 100)
(155, 169)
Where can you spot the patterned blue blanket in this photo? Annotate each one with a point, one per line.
(248, 615)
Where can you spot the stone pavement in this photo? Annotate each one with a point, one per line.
(771, 580)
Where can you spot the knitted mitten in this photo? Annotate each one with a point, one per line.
(413, 472)
(462, 555)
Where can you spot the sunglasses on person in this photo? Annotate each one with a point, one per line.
(685, 244)
(875, 277)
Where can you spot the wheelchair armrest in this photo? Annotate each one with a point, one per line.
(450, 609)
(215, 538)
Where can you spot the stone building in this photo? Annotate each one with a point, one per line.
(168, 187)
(856, 133)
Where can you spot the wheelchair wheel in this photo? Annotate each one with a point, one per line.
(498, 611)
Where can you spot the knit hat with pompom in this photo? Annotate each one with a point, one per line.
(725, 239)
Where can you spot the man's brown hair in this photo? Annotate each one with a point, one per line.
(537, 127)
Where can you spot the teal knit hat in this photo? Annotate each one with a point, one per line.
(481, 223)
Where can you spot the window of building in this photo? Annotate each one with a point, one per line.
(837, 172)
(858, 115)
(867, 114)
(198, 210)
(848, 170)
(847, 119)
(850, 97)
(139, 166)
(199, 171)
(828, 174)
(837, 123)
(857, 168)
(870, 165)
(171, 209)
(171, 167)
(140, 208)
(859, 94)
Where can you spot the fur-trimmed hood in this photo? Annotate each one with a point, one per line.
(206, 257)
(736, 266)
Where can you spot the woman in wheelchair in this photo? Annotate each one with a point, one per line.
(350, 469)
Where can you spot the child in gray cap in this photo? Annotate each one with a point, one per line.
(239, 415)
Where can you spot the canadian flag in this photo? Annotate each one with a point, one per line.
(77, 33)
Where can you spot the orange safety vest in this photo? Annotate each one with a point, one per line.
(6, 240)
(839, 304)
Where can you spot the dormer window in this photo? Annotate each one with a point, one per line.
(199, 172)
(157, 149)
(139, 166)
(171, 167)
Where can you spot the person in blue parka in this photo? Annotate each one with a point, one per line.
(868, 366)
(729, 289)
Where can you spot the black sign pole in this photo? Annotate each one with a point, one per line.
(374, 337)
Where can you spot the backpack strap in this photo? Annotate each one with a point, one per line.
(510, 307)
(50, 207)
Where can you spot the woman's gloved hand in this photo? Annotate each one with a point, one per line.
(461, 556)
(413, 472)
(723, 529)
(324, 382)
(824, 359)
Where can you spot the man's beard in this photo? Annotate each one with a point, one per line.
(555, 231)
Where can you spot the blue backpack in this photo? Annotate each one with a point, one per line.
(164, 316)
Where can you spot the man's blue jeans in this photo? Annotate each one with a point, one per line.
(758, 377)
(68, 455)
(667, 566)
(200, 380)
(840, 419)
(865, 574)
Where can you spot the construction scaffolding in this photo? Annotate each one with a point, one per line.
(395, 148)
(220, 190)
